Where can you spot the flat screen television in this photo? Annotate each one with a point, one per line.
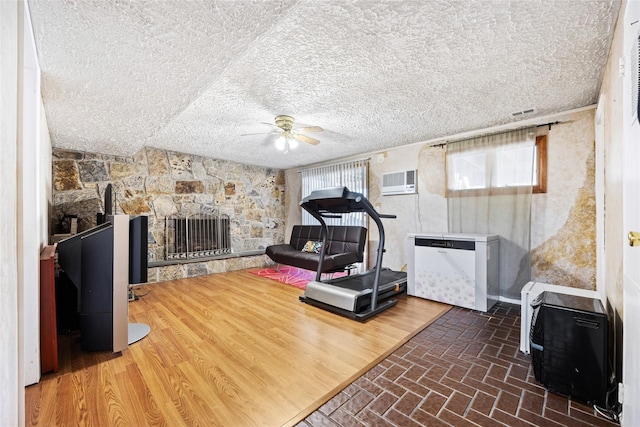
(97, 262)
(70, 256)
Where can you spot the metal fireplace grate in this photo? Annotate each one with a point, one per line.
(197, 236)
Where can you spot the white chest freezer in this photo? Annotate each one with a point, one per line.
(454, 268)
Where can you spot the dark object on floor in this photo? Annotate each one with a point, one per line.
(569, 346)
(67, 316)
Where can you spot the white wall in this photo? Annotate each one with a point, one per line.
(11, 379)
(612, 121)
(45, 187)
(30, 236)
(601, 283)
(406, 207)
(25, 170)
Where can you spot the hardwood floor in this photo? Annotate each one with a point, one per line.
(230, 349)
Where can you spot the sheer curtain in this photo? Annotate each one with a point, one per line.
(489, 188)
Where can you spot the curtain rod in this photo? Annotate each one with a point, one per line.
(562, 117)
(442, 144)
(365, 159)
(550, 124)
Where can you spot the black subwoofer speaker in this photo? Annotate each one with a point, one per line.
(569, 346)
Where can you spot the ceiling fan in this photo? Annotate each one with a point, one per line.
(288, 137)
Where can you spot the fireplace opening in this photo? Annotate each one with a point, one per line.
(197, 236)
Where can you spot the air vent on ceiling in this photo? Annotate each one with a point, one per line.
(523, 112)
(403, 182)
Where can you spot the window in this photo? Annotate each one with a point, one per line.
(499, 169)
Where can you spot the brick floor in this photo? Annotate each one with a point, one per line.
(465, 369)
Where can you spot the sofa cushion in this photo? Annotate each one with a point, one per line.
(313, 247)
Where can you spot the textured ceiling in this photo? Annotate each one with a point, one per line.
(194, 76)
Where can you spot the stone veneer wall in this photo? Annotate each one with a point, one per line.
(160, 183)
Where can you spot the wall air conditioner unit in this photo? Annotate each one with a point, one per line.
(403, 182)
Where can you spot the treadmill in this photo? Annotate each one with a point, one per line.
(357, 296)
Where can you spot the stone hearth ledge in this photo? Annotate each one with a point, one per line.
(161, 271)
(204, 259)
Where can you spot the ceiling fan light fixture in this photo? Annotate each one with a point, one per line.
(285, 142)
(281, 143)
(284, 122)
(290, 138)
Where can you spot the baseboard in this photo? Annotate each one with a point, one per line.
(509, 300)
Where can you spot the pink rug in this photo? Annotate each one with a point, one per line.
(293, 276)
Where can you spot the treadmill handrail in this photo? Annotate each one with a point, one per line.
(324, 232)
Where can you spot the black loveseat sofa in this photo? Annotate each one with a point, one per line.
(345, 246)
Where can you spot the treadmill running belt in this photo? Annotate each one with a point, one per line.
(364, 281)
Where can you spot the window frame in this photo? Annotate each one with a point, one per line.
(540, 187)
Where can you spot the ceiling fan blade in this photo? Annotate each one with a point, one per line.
(270, 124)
(307, 139)
(273, 132)
(309, 129)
